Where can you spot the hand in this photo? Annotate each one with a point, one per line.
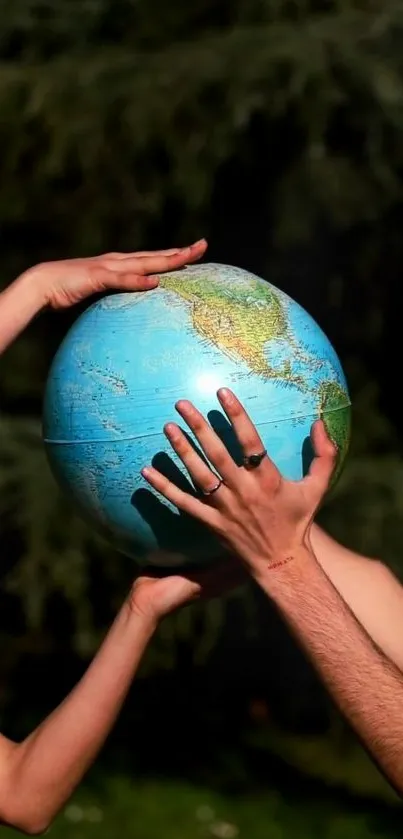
(63, 283)
(155, 597)
(256, 513)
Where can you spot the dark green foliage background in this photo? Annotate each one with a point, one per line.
(275, 129)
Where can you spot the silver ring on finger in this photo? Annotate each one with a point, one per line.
(252, 461)
(208, 492)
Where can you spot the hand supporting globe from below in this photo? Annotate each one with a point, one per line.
(129, 358)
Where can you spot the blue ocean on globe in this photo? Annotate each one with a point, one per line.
(125, 362)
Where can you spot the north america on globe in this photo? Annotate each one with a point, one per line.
(245, 320)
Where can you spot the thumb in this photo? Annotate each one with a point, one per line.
(324, 462)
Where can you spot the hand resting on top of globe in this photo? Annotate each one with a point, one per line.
(61, 284)
(256, 513)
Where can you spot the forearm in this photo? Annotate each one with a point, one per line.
(20, 302)
(372, 592)
(366, 686)
(48, 765)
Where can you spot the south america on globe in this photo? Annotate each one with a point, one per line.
(130, 357)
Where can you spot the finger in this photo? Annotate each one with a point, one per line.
(200, 473)
(324, 462)
(196, 250)
(136, 254)
(182, 500)
(246, 432)
(159, 263)
(129, 281)
(212, 446)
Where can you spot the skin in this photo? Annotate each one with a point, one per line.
(38, 775)
(345, 611)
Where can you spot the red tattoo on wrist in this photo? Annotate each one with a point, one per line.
(272, 566)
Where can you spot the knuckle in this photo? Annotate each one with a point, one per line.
(249, 491)
(185, 502)
(248, 496)
(197, 422)
(250, 443)
(142, 263)
(234, 407)
(328, 467)
(221, 457)
(220, 525)
(181, 444)
(161, 481)
(135, 281)
(271, 484)
(98, 273)
(105, 263)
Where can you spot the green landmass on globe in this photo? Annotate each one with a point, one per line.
(241, 321)
(238, 321)
(337, 419)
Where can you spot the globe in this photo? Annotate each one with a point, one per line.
(125, 362)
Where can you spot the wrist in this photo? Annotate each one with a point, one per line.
(140, 622)
(285, 573)
(31, 290)
(20, 303)
(36, 285)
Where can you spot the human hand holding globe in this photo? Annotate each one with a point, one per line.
(65, 282)
(257, 514)
(153, 597)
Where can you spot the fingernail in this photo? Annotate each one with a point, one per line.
(182, 404)
(145, 472)
(199, 242)
(224, 393)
